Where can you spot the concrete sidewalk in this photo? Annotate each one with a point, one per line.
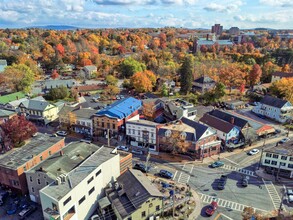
(198, 206)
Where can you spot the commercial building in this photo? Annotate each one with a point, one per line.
(74, 195)
(234, 31)
(217, 29)
(15, 162)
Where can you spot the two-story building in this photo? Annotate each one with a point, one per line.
(274, 108)
(188, 136)
(88, 71)
(15, 162)
(75, 194)
(142, 133)
(39, 110)
(278, 160)
(177, 108)
(6, 115)
(12, 101)
(140, 201)
(113, 118)
(203, 84)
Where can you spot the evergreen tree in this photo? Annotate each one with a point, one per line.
(186, 74)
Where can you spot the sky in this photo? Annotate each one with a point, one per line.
(191, 14)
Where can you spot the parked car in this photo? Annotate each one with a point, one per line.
(86, 140)
(253, 152)
(12, 209)
(290, 195)
(261, 116)
(26, 212)
(166, 174)
(137, 152)
(284, 140)
(124, 148)
(217, 164)
(244, 181)
(141, 167)
(3, 197)
(61, 133)
(212, 208)
(222, 182)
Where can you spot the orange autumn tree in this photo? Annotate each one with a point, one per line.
(55, 74)
(285, 87)
(143, 81)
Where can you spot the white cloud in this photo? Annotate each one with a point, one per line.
(265, 19)
(282, 3)
(224, 8)
(145, 2)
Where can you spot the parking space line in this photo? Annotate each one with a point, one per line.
(191, 169)
(175, 175)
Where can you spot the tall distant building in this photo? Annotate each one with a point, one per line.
(234, 31)
(217, 29)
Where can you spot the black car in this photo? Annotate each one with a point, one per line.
(166, 174)
(26, 212)
(244, 181)
(141, 167)
(222, 182)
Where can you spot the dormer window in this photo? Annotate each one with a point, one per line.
(168, 133)
(183, 135)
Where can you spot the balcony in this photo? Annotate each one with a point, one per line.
(53, 214)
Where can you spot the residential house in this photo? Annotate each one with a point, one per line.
(75, 194)
(15, 162)
(227, 132)
(280, 75)
(77, 119)
(113, 117)
(88, 71)
(278, 160)
(274, 108)
(234, 104)
(5, 115)
(85, 89)
(3, 64)
(142, 133)
(177, 108)
(140, 201)
(39, 110)
(153, 109)
(188, 136)
(12, 101)
(55, 83)
(203, 84)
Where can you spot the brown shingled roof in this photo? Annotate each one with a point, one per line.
(216, 123)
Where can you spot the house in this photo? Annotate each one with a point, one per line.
(12, 101)
(234, 104)
(153, 109)
(280, 75)
(5, 115)
(88, 71)
(203, 84)
(55, 83)
(188, 136)
(140, 201)
(15, 162)
(75, 194)
(84, 89)
(274, 108)
(177, 108)
(77, 119)
(61, 162)
(227, 132)
(142, 133)
(113, 117)
(39, 110)
(278, 160)
(3, 64)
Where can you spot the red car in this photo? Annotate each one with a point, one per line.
(212, 208)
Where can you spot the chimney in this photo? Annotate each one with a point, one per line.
(232, 120)
(61, 153)
(41, 169)
(208, 36)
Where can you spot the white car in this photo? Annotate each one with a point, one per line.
(61, 133)
(253, 152)
(284, 140)
(124, 148)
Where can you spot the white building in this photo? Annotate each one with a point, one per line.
(178, 108)
(75, 195)
(142, 133)
(274, 108)
(279, 160)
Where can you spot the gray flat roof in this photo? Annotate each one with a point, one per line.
(78, 174)
(142, 122)
(66, 159)
(282, 149)
(19, 156)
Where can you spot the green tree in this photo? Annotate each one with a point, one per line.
(130, 66)
(219, 91)
(58, 93)
(111, 80)
(20, 77)
(164, 90)
(186, 74)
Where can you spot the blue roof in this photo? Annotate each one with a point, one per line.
(121, 109)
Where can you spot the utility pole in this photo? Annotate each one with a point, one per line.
(281, 203)
(173, 213)
(264, 142)
(108, 136)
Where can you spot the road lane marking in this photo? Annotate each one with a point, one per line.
(231, 161)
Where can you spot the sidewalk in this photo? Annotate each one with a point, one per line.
(261, 173)
(198, 206)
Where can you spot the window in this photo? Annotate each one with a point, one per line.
(108, 125)
(138, 132)
(150, 205)
(291, 158)
(275, 156)
(54, 207)
(91, 190)
(152, 135)
(39, 181)
(90, 180)
(133, 131)
(267, 161)
(274, 162)
(268, 155)
(67, 201)
(290, 165)
(81, 200)
(282, 164)
(47, 183)
(129, 218)
(157, 208)
(41, 158)
(98, 173)
(31, 179)
(113, 126)
(143, 214)
(283, 157)
(33, 189)
(129, 131)
(103, 124)
(24, 168)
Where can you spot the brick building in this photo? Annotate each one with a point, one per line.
(15, 162)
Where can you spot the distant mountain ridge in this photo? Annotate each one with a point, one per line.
(56, 27)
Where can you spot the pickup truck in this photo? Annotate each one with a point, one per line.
(222, 182)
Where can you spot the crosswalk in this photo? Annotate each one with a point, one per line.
(184, 175)
(239, 170)
(225, 203)
(274, 195)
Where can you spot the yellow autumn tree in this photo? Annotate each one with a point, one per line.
(143, 81)
(285, 87)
